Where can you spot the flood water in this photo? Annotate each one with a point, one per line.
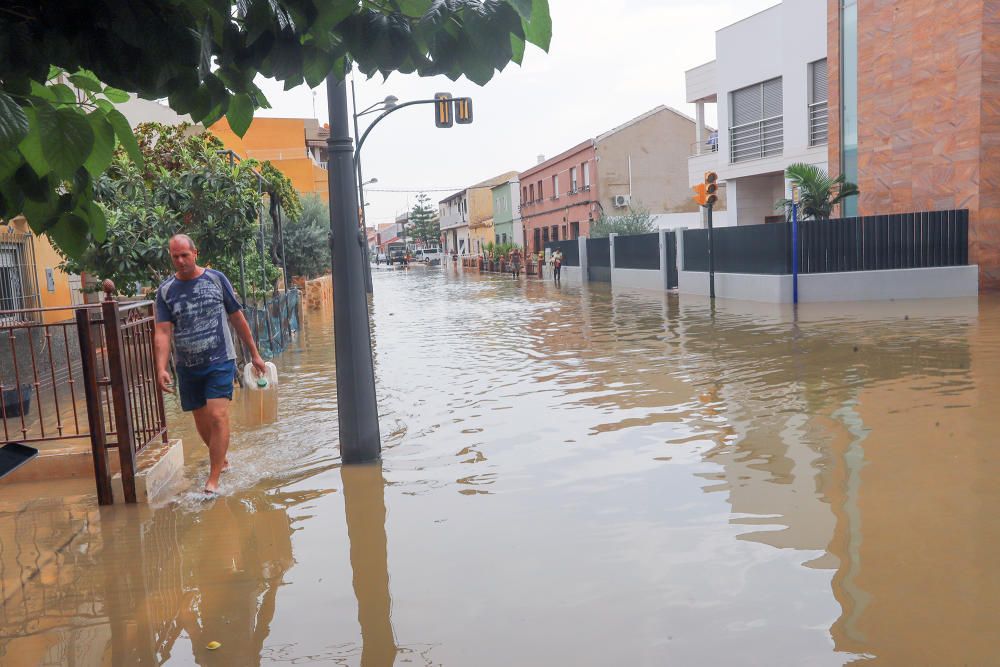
(571, 476)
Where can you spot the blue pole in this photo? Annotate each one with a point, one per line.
(795, 253)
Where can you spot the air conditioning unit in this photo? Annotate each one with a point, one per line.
(621, 200)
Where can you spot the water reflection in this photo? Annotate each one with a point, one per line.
(364, 505)
(572, 476)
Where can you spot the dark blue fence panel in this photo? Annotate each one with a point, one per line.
(599, 259)
(748, 249)
(641, 251)
(879, 242)
(570, 251)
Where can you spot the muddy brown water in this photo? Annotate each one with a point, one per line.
(571, 477)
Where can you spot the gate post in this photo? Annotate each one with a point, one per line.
(584, 264)
(119, 391)
(95, 417)
(611, 254)
(664, 260)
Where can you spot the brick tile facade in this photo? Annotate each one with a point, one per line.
(928, 112)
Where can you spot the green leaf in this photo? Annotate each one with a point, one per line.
(517, 49)
(124, 133)
(538, 29)
(31, 146)
(86, 81)
(66, 139)
(10, 161)
(240, 113)
(13, 122)
(63, 93)
(104, 144)
(115, 95)
(53, 72)
(98, 222)
(70, 233)
(414, 8)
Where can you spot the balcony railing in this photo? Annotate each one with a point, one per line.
(760, 139)
(818, 123)
(710, 145)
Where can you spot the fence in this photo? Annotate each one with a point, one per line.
(274, 321)
(101, 357)
(599, 259)
(641, 251)
(871, 243)
(120, 386)
(749, 249)
(570, 251)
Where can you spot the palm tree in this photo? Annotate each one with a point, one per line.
(818, 193)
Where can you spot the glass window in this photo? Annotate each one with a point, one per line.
(586, 176)
(572, 180)
(555, 186)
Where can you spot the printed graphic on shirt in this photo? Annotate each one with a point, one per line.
(198, 309)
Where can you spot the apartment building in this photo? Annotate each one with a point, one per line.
(771, 104)
(638, 164)
(295, 146)
(507, 226)
(466, 217)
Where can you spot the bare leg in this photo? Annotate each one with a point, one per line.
(215, 416)
(203, 422)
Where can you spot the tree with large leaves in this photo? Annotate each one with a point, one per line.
(819, 193)
(187, 184)
(64, 63)
(307, 239)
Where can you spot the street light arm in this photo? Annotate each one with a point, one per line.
(361, 141)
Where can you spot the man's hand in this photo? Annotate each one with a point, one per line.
(166, 382)
(259, 365)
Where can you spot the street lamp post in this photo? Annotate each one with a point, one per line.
(357, 410)
(388, 103)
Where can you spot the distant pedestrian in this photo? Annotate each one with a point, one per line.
(194, 308)
(541, 262)
(557, 258)
(515, 262)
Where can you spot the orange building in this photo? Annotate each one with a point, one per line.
(296, 146)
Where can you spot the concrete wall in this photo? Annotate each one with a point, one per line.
(694, 220)
(647, 159)
(933, 283)
(637, 278)
(752, 198)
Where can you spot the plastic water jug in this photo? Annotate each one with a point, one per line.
(260, 395)
(269, 380)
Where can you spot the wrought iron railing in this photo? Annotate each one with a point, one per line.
(818, 123)
(757, 140)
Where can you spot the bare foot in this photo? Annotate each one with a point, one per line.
(211, 488)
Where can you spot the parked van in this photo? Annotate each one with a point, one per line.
(428, 255)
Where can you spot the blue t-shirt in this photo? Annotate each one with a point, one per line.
(198, 309)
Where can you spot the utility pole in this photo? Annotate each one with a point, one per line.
(357, 410)
(705, 195)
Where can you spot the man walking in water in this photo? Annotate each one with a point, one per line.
(192, 307)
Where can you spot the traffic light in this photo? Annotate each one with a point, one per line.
(705, 192)
(443, 111)
(463, 110)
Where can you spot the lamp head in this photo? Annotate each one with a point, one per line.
(390, 101)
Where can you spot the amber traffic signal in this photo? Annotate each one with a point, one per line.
(705, 192)
(443, 110)
(463, 110)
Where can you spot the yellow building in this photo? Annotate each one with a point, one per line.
(30, 276)
(480, 199)
(296, 146)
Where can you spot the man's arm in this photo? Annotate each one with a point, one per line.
(242, 328)
(161, 343)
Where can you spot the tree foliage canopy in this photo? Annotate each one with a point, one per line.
(636, 221)
(307, 239)
(58, 132)
(185, 185)
(424, 218)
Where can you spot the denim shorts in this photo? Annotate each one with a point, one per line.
(197, 385)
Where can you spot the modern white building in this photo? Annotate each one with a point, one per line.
(768, 81)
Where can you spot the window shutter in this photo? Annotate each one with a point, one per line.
(819, 89)
(772, 100)
(746, 105)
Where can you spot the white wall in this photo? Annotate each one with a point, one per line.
(752, 198)
(780, 41)
(694, 220)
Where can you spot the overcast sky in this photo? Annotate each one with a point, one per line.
(610, 60)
